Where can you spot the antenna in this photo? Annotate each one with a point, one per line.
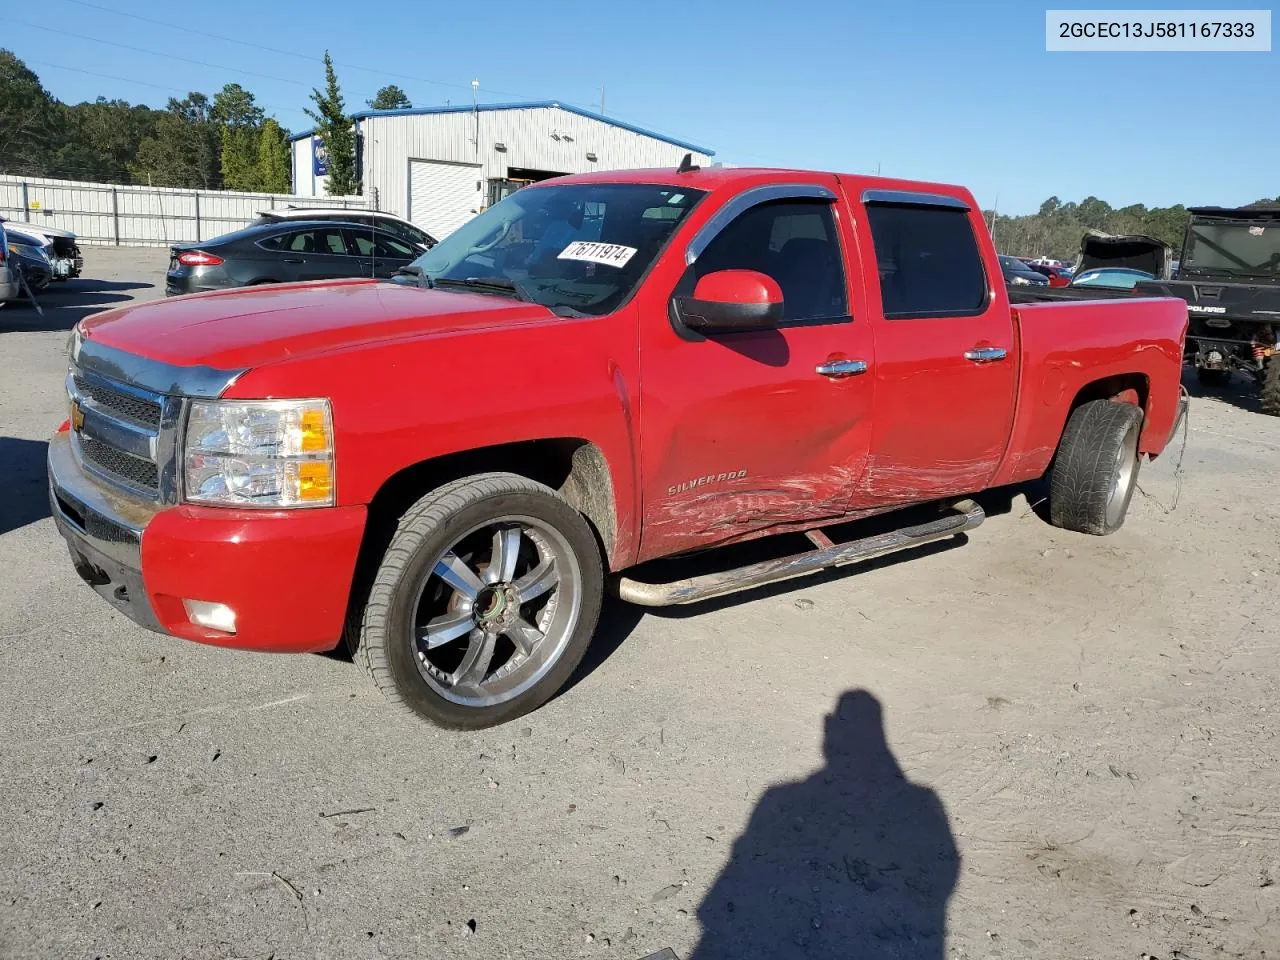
(687, 165)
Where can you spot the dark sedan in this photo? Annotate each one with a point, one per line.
(1017, 273)
(284, 252)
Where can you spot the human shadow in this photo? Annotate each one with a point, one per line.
(25, 495)
(855, 861)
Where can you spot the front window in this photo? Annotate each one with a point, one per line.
(1235, 247)
(579, 248)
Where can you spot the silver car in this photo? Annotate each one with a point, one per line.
(8, 272)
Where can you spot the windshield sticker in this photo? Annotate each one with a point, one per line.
(607, 254)
(675, 198)
(1256, 231)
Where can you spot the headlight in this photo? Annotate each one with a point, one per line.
(259, 453)
(1021, 281)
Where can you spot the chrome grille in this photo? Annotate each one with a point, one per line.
(133, 470)
(124, 434)
(135, 409)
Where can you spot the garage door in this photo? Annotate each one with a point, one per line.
(442, 196)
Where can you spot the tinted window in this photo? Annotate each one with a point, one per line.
(271, 243)
(405, 231)
(384, 245)
(317, 241)
(792, 241)
(928, 261)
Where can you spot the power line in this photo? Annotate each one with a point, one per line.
(155, 53)
(143, 83)
(311, 58)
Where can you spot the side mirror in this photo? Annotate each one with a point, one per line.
(729, 301)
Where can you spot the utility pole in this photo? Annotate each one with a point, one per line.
(602, 99)
(475, 112)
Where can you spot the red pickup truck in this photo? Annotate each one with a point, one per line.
(443, 472)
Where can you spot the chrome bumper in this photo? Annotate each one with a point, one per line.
(103, 530)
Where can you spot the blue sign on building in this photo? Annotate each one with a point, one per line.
(319, 157)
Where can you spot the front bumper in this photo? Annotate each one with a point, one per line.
(287, 574)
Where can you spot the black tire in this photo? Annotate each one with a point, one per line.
(1212, 378)
(1270, 392)
(434, 525)
(1095, 470)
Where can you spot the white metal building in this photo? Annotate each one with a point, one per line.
(439, 166)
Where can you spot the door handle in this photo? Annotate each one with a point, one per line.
(838, 369)
(292, 260)
(986, 354)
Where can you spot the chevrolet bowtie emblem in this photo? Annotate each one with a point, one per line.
(77, 417)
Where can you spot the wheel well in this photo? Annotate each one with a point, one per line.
(1123, 388)
(573, 466)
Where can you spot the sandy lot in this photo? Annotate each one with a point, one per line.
(1032, 745)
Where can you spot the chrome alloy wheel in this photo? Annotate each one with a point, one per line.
(495, 611)
(1126, 470)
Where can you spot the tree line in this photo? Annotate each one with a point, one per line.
(224, 141)
(1056, 229)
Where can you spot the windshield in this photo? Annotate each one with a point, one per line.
(578, 248)
(1239, 247)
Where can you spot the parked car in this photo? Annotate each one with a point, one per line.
(1057, 275)
(30, 255)
(9, 288)
(389, 222)
(286, 251)
(1018, 273)
(1111, 278)
(63, 251)
(1098, 250)
(596, 372)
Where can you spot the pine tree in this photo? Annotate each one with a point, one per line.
(390, 97)
(273, 159)
(335, 129)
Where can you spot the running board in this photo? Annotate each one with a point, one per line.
(967, 515)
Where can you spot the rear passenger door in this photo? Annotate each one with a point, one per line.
(946, 360)
(318, 253)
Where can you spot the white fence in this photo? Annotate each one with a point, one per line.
(104, 213)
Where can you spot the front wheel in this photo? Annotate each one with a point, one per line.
(1095, 470)
(484, 603)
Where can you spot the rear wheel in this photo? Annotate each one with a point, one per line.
(484, 603)
(1271, 389)
(1095, 470)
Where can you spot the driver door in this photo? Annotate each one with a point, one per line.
(744, 431)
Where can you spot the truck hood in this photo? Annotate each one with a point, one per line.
(1134, 251)
(253, 326)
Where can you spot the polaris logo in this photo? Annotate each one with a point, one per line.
(1199, 309)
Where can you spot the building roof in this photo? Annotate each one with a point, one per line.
(522, 105)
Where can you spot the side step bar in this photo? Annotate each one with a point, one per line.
(967, 515)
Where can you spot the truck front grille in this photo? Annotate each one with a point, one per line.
(136, 471)
(122, 433)
(135, 409)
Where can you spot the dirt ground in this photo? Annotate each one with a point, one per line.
(1031, 745)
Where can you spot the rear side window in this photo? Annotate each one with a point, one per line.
(928, 260)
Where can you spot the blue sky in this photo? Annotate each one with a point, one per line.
(943, 91)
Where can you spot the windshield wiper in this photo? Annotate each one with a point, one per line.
(487, 284)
